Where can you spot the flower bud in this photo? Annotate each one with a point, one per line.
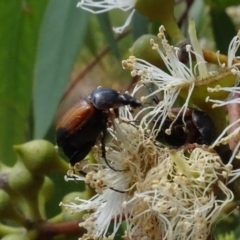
(45, 194)
(155, 9)
(163, 12)
(24, 182)
(40, 157)
(69, 215)
(142, 49)
(27, 186)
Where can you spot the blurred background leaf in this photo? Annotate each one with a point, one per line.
(106, 28)
(53, 53)
(20, 23)
(223, 29)
(62, 34)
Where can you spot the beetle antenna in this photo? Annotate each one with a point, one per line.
(155, 99)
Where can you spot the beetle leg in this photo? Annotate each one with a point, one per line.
(104, 151)
(116, 190)
(105, 159)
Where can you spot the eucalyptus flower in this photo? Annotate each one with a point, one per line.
(193, 82)
(156, 191)
(160, 194)
(102, 6)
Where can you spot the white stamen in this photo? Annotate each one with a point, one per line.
(102, 6)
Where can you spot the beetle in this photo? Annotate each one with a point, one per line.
(195, 127)
(199, 128)
(79, 128)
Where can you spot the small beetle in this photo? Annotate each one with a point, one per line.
(197, 127)
(78, 130)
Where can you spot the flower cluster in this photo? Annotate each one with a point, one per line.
(161, 192)
(182, 78)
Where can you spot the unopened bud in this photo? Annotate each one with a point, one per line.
(40, 157)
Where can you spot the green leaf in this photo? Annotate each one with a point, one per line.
(20, 22)
(62, 36)
(140, 25)
(223, 29)
(107, 29)
(90, 42)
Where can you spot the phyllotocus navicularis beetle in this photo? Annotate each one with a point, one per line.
(194, 127)
(80, 127)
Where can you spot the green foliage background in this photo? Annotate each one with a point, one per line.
(52, 54)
